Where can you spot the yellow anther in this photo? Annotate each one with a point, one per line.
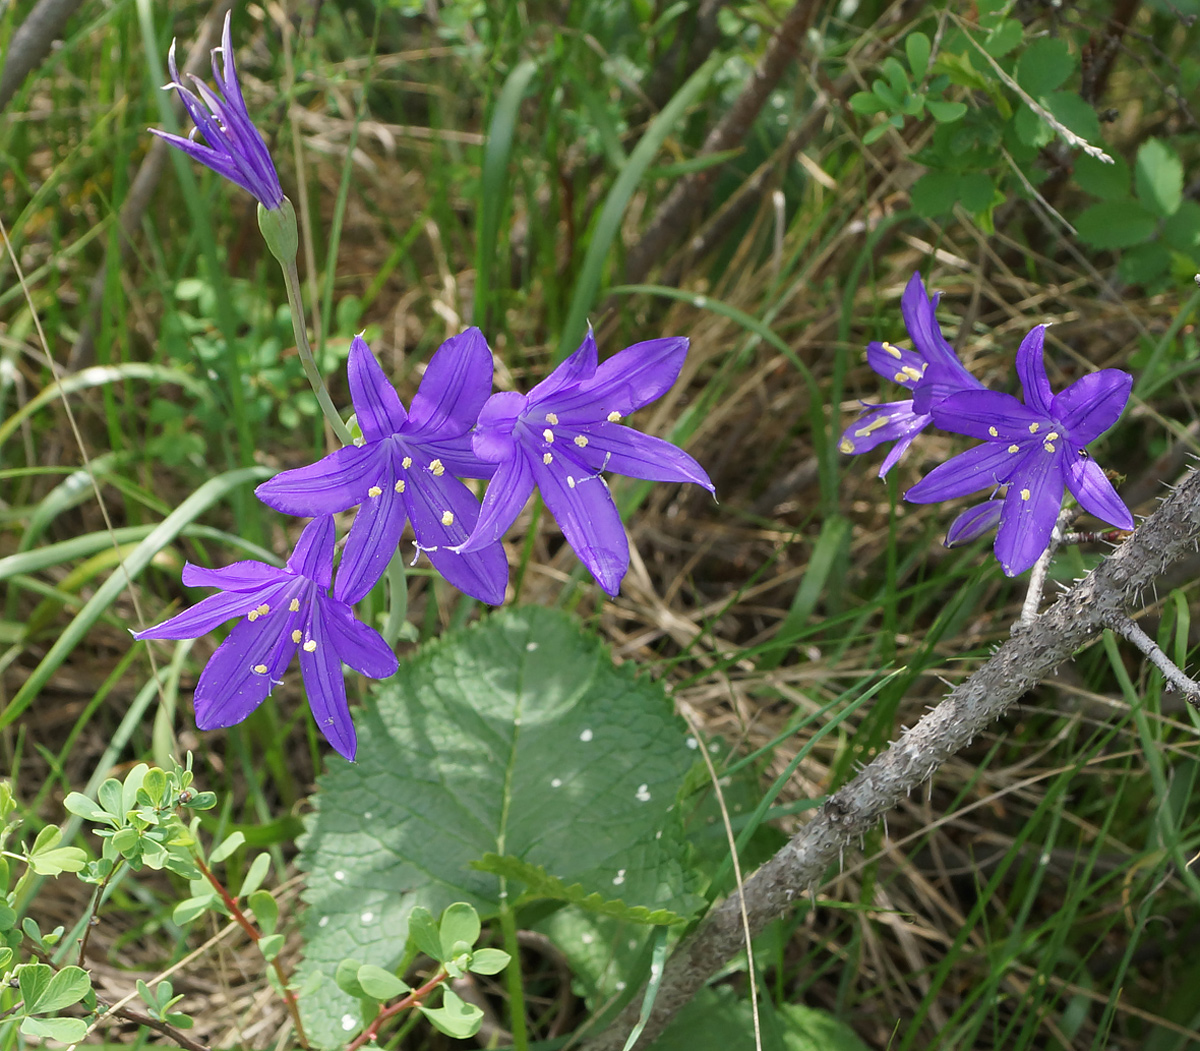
(547, 458)
(847, 446)
(296, 636)
(1052, 436)
(900, 377)
(252, 616)
(570, 481)
(894, 351)
(447, 518)
(406, 463)
(1048, 447)
(1014, 448)
(310, 645)
(993, 432)
(294, 605)
(580, 440)
(913, 373)
(261, 669)
(374, 491)
(874, 425)
(614, 417)
(400, 486)
(437, 467)
(552, 417)
(1033, 427)
(1025, 494)
(548, 434)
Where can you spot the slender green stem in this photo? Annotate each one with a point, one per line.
(512, 973)
(291, 278)
(397, 588)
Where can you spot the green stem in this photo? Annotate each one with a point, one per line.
(291, 278)
(512, 973)
(397, 588)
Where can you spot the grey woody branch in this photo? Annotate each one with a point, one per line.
(1097, 601)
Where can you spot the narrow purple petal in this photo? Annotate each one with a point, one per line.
(978, 468)
(371, 543)
(247, 575)
(1093, 403)
(355, 643)
(896, 364)
(989, 415)
(457, 382)
(334, 483)
(584, 510)
(579, 367)
(207, 156)
(1031, 369)
(207, 614)
(313, 556)
(882, 423)
(1030, 511)
(493, 439)
(899, 449)
(506, 495)
(920, 319)
(625, 382)
(940, 382)
(622, 450)
(245, 668)
(325, 685)
(376, 402)
(1095, 493)
(444, 512)
(973, 523)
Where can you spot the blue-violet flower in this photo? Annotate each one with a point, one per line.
(286, 610)
(564, 433)
(1036, 449)
(407, 468)
(235, 148)
(932, 371)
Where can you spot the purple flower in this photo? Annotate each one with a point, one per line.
(1035, 448)
(235, 148)
(974, 522)
(564, 433)
(932, 372)
(406, 469)
(286, 610)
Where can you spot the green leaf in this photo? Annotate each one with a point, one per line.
(259, 868)
(346, 977)
(270, 946)
(875, 134)
(231, 843)
(154, 785)
(1003, 38)
(517, 736)
(1044, 66)
(266, 910)
(1158, 177)
(423, 930)
(539, 886)
(1115, 224)
(188, 910)
(62, 1030)
(456, 1018)
(8, 917)
(1183, 231)
(605, 955)
(917, 48)
(489, 961)
(459, 926)
(1076, 114)
(379, 984)
(946, 112)
(110, 799)
(67, 987)
(34, 980)
(897, 78)
(46, 858)
(866, 103)
(1109, 182)
(79, 804)
(1145, 263)
(934, 193)
(6, 957)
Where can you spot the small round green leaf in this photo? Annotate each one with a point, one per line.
(456, 1018)
(1115, 224)
(62, 1030)
(917, 48)
(1158, 177)
(460, 923)
(380, 984)
(266, 910)
(489, 961)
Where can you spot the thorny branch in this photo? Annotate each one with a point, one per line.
(1095, 602)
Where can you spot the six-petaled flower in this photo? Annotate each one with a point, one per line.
(931, 372)
(234, 149)
(564, 433)
(284, 611)
(407, 468)
(1035, 449)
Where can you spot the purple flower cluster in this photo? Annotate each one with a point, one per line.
(1032, 450)
(559, 438)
